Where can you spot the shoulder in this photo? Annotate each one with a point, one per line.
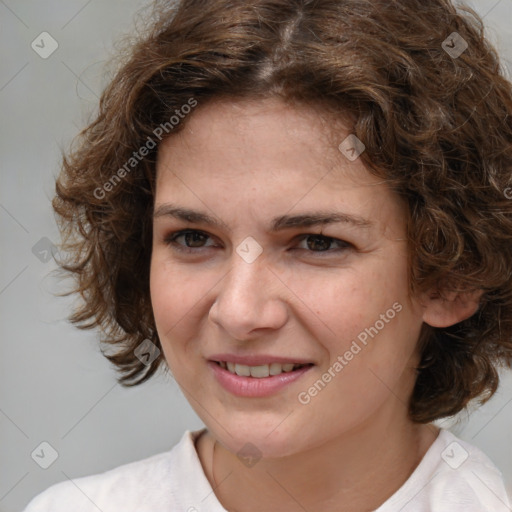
(464, 467)
(143, 485)
(453, 476)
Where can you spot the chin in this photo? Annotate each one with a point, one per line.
(259, 436)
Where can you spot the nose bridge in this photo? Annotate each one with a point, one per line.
(248, 270)
(245, 282)
(248, 298)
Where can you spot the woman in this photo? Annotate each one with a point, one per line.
(299, 208)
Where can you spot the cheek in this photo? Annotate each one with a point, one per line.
(162, 296)
(168, 308)
(345, 303)
(171, 297)
(177, 298)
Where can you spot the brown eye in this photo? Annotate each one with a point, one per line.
(193, 239)
(319, 243)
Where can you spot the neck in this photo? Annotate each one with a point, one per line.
(357, 471)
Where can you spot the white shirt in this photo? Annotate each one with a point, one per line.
(453, 476)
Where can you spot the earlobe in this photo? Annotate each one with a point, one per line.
(444, 310)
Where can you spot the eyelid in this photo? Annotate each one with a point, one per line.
(170, 238)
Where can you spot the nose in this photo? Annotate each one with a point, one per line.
(251, 298)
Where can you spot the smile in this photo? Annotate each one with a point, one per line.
(260, 371)
(260, 380)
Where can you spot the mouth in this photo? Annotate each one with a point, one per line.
(261, 371)
(264, 376)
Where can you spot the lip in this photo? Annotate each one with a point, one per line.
(257, 360)
(255, 387)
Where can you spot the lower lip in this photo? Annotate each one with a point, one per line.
(253, 386)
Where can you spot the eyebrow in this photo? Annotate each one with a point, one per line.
(280, 223)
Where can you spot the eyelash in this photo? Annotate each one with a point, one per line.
(172, 237)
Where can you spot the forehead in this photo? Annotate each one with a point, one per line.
(254, 134)
(268, 158)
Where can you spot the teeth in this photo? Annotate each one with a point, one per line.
(242, 370)
(260, 371)
(275, 368)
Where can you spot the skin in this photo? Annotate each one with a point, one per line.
(246, 163)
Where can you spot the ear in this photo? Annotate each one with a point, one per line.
(444, 310)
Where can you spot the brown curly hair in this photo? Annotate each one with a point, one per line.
(437, 127)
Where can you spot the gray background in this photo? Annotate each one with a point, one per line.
(55, 384)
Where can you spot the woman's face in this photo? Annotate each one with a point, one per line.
(258, 287)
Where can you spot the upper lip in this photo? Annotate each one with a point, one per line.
(257, 360)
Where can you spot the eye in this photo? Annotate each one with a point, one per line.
(191, 236)
(195, 240)
(318, 243)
